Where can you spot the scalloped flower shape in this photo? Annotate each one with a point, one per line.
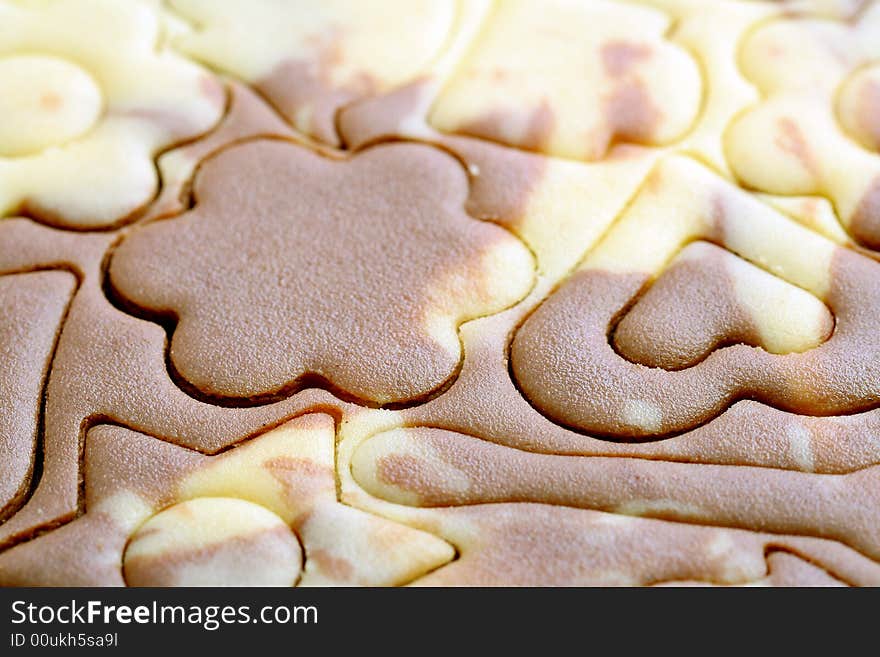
(90, 97)
(296, 268)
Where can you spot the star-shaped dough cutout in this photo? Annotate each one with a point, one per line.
(265, 512)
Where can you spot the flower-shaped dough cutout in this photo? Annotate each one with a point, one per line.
(294, 266)
(263, 513)
(572, 79)
(311, 58)
(88, 101)
(794, 142)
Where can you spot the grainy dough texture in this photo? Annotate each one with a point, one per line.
(439, 293)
